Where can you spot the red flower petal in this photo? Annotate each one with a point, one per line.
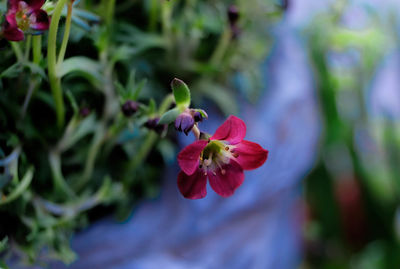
(225, 183)
(251, 155)
(34, 4)
(10, 30)
(194, 186)
(188, 158)
(39, 20)
(232, 130)
(13, 5)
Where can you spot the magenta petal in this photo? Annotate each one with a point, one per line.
(189, 157)
(13, 5)
(232, 130)
(34, 4)
(11, 21)
(226, 183)
(193, 186)
(13, 34)
(39, 20)
(10, 29)
(250, 155)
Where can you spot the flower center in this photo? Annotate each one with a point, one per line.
(215, 155)
(22, 16)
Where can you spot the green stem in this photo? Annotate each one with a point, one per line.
(91, 158)
(55, 81)
(222, 45)
(153, 15)
(60, 185)
(17, 51)
(27, 47)
(37, 49)
(146, 146)
(37, 56)
(67, 30)
(110, 12)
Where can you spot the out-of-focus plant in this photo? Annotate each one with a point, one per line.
(81, 96)
(353, 191)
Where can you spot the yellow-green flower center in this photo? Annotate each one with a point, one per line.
(215, 155)
(22, 16)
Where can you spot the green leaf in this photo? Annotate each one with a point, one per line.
(20, 189)
(11, 71)
(169, 116)
(152, 107)
(3, 246)
(87, 67)
(181, 92)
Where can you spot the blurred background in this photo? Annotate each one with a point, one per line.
(317, 83)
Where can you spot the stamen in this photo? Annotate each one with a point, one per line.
(205, 173)
(235, 155)
(223, 171)
(226, 148)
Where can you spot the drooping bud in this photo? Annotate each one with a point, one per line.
(84, 112)
(233, 14)
(129, 108)
(152, 124)
(199, 116)
(184, 122)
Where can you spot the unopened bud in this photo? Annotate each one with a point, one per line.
(199, 116)
(84, 112)
(233, 14)
(129, 108)
(152, 124)
(184, 122)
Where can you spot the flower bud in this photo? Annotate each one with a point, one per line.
(198, 117)
(84, 112)
(129, 108)
(233, 14)
(152, 124)
(184, 122)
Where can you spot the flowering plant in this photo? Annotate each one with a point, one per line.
(84, 110)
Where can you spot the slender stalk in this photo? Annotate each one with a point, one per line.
(146, 146)
(67, 30)
(17, 51)
(222, 46)
(60, 185)
(27, 47)
(37, 49)
(37, 56)
(55, 81)
(110, 12)
(31, 89)
(196, 132)
(153, 15)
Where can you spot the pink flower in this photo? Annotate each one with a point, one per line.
(222, 158)
(24, 16)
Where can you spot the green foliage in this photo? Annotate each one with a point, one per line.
(68, 154)
(353, 191)
(181, 93)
